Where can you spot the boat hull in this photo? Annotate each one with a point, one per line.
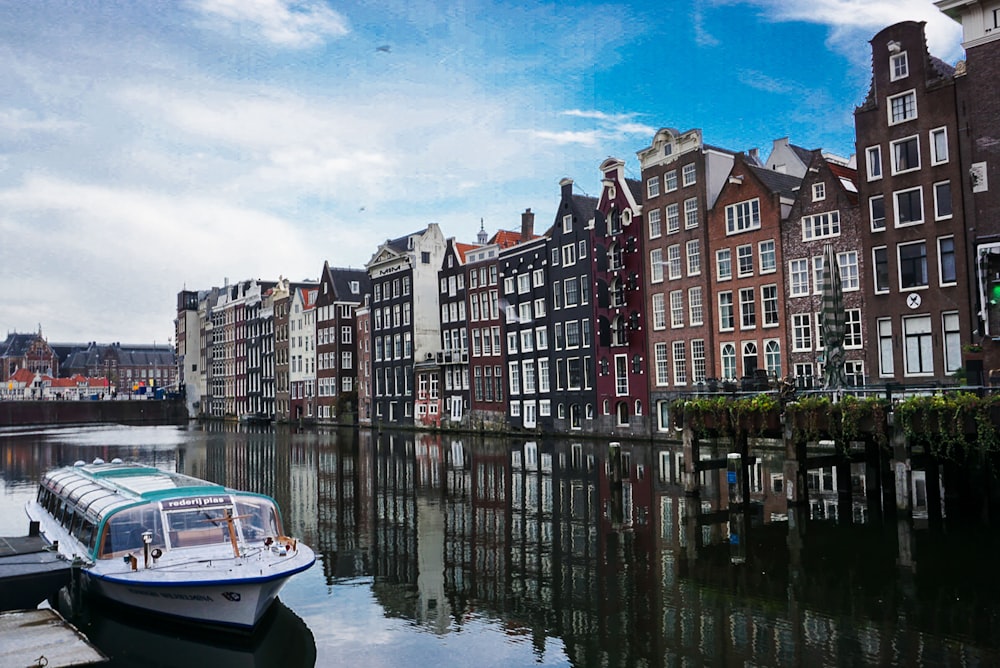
(230, 604)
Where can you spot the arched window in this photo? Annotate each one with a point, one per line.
(772, 358)
(638, 407)
(728, 361)
(606, 408)
(749, 358)
(590, 411)
(622, 411)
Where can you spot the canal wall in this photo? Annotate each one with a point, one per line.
(152, 411)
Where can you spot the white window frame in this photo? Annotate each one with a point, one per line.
(689, 174)
(693, 252)
(723, 258)
(871, 213)
(653, 186)
(656, 265)
(938, 157)
(819, 191)
(894, 157)
(937, 214)
(743, 216)
(912, 95)
(899, 66)
(873, 162)
(796, 269)
(654, 224)
(767, 249)
(896, 208)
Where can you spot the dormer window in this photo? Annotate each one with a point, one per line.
(668, 149)
(899, 67)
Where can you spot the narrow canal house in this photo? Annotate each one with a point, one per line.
(615, 264)
(745, 228)
(682, 177)
(979, 119)
(302, 352)
(910, 179)
(340, 293)
(486, 399)
(452, 356)
(362, 334)
(527, 314)
(825, 211)
(406, 324)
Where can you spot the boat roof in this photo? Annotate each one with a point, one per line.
(102, 488)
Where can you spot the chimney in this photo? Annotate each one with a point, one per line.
(527, 225)
(755, 156)
(567, 188)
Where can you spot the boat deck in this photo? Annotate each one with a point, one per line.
(43, 638)
(30, 572)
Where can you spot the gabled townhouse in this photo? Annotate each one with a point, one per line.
(405, 318)
(615, 264)
(487, 358)
(451, 401)
(27, 351)
(187, 334)
(910, 180)
(825, 211)
(683, 176)
(281, 298)
(978, 105)
(363, 335)
(268, 356)
(302, 352)
(570, 314)
(257, 326)
(340, 292)
(745, 236)
(527, 330)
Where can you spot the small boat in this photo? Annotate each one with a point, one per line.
(168, 543)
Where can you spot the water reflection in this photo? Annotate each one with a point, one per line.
(598, 553)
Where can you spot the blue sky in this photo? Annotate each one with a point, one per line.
(148, 147)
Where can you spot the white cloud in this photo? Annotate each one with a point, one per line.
(854, 20)
(17, 121)
(285, 23)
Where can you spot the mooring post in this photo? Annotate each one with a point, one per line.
(796, 490)
(692, 485)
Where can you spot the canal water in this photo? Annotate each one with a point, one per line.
(441, 550)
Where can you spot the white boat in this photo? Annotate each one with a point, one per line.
(169, 543)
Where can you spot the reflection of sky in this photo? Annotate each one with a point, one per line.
(109, 435)
(350, 629)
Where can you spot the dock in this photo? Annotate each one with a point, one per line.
(30, 571)
(42, 637)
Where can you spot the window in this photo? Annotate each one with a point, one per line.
(674, 261)
(748, 309)
(886, 366)
(802, 332)
(728, 357)
(905, 154)
(698, 360)
(898, 66)
(425, 257)
(677, 308)
(902, 107)
(876, 210)
(880, 258)
(568, 254)
(768, 261)
(508, 285)
(567, 223)
(656, 265)
(673, 218)
(946, 261)
(918, 354)
(694, 257)
(873, 155)
(723, 264)
(912, 265)
(557, 295)
(555, 257)
(581, 250)
(523, 283)
(680, 363)
(749, 357)
(769, 305)
(662, 364)
(695, 305)
(939, 146)
(942, 200)
(537, 278)
(821, 225)
(659, 311)
(743, 216)
(670, 181)
(772, 357)
(725, 310)
(849, 275)
(744, 260)
(690, 213)
(572, 291)
(689, 176)
(653, 186)
(909, 207)
(852, 328)
(952, 342)
(654, 224)
(798, 271)
(819, 192)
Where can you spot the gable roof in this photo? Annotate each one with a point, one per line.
(782, 184)
(507, 238)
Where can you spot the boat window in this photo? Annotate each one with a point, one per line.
(124, 529)
(258, 517)
(198, 526)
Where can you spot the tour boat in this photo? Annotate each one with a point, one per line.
(169, 543)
